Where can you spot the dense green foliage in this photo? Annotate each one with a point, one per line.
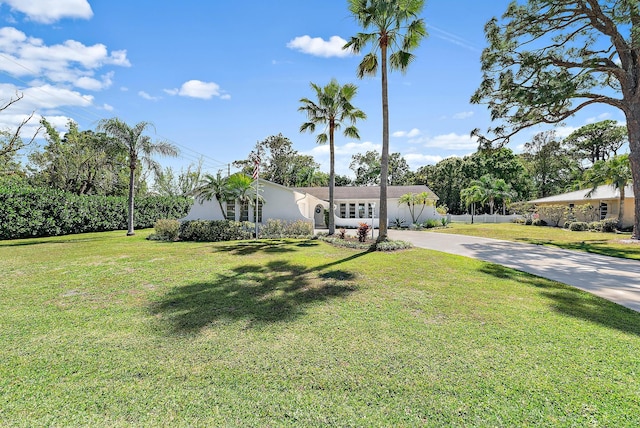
(215, 230)
(38, 211)
(275, 228)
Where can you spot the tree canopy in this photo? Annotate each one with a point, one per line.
(548, 59)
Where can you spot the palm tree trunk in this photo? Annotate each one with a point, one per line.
(384, 160)
(332, 178)
(621, 208)
(633, 127)
(132, 176)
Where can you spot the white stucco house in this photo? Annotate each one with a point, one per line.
(605, 200)
(353, 205)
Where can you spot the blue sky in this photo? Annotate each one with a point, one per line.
(215, 77)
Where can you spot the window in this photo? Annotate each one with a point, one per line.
(343, 210)
(361, 210)
(603, 210)
(231, 210)
(259, 219)
(244, 211)
(352, 210)
(370, 210)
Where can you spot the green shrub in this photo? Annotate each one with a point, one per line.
(539, 222)
(275, 229)
(609, 225)
(215, 230)
(595, 226)
(166, 230)
(579, 226)
(528, 221)
(431, 223)
(363, 231)
(36, 211)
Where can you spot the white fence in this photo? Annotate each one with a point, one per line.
(483, 218)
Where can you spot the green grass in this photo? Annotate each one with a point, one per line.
(105, 330)
(608, 244)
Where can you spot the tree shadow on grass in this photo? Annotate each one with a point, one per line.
(594, 246)
(573, 302)
(255, 294)
(245, 248)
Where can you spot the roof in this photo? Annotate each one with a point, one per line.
(605, 191)
(364, 192)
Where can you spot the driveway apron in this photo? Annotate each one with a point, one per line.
(611, 278)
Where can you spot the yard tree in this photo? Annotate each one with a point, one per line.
(414, 201)
(333, 110)
(597, 141)
(213, 186)
(11, 142)
(167, 183)
(395, 30)
(470, 195)
(548, 59)
(139, 151)
(615, 172)
(81, 162)
(549, 165)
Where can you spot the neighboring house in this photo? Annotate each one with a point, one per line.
(353, 205)
(605, 201)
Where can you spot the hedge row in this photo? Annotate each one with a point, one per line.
(32, 212)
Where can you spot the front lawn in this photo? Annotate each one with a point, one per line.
(608, 244)
(108, 330)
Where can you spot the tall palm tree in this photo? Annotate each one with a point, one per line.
(332, 110)
(241, 189)
(138, 149)
(617, 172)
(213, 187)
(471, 195)
(504, 192)
(396, 28)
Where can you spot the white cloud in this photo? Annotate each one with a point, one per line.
(463, 115)
(416, 160)
(199, 89)
(318, 47)
(564, 131)
(146, 96)
(408, 134)
(107, 107)
(50, 11)
(70, 62)
(451, 141)
(598, 118)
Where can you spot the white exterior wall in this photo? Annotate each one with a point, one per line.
(393, 211)
(207, 210)
(279, 203)
(283, 204)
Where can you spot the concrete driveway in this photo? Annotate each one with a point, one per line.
(611, 278)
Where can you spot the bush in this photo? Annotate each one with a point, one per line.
(431, 223)
(609, 225)
(595, 226)
(528, 221)
(363, 231)
(215, 230)
(579, 226)
(36, 211)
(283, 229)
(539, 222)
(166, 230)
